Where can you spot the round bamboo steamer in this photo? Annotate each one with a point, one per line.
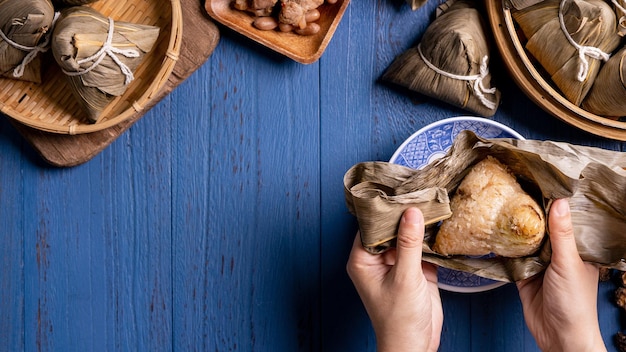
(50, 105)
(535, 86)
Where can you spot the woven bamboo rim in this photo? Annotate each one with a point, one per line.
(533, 83)
(51, 107)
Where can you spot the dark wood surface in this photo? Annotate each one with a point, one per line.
(217, 222)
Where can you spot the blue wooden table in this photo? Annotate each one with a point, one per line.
(218, 223)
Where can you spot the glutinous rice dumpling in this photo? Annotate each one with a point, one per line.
(620, 11)
(25, 28)
(582, 32)
(491, 213)
(607, 97)
(451, 62)
(99, 55)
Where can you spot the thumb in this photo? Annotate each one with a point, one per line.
(562, 233)
(409, 242)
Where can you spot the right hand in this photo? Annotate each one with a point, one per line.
(560, 305)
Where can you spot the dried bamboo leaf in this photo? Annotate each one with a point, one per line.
(607, 97)
(25, 24)
(590, 23)
(96, 75)
(620, 11)
(522, 4)
(453, 46)
(593, 179)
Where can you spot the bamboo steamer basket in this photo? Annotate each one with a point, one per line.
(533, 83)
(50, 105)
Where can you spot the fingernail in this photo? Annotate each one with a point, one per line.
(412, 216)
(561, 208)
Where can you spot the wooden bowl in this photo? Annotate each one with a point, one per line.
(303, 49)
(535, 86)
(51, 107)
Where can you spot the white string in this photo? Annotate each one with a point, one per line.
(32, 50)
(108, 49)
(583, 50)
(479, 87)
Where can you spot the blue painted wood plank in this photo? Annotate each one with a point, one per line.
(259, 282)
(86, 287)
(346, 110)
(11, 241)
(151, 178)
(192, 214)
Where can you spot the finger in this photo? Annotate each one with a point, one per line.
(359, 258)
(430, 272)
(409, 242)
(562, 233)
(355, 254)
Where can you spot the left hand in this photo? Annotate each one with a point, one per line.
(398, 291)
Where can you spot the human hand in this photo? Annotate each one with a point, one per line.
(398, 291)
(560, 305)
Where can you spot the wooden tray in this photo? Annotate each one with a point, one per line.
(535, 86)
(70, 150)
(303, 49)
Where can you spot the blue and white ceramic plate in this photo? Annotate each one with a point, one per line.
(431, 143)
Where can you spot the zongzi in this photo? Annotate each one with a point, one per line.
(451, 63)
(620, 11)
(24, 33)
(99, 55)
(582, 32)
(607, 97)
(491, 213)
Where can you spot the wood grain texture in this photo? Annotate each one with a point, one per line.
(217, 222)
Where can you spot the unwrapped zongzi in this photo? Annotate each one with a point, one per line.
(451, 63)
(491, 213)
(23, 28)
(99, 55)
(593, 179)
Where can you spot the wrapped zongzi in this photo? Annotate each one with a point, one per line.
(24, 33)
(620, 11)
(608, 94)
(451, 63)
(99, 55)
(582, 32)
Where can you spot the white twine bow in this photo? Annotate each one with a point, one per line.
(583, 50)
(478, 84)
(33, 51)
(108, 49)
